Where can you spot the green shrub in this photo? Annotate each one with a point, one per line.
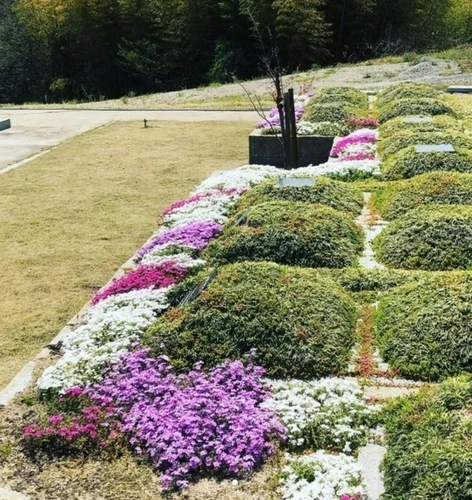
(406, 90)
(430, 237)
(423, 329)
(359, 279)
(334, 194)
(337, 112)
(405, 107)
(408, 163)
(346, 95)
(393, 199)
(287, 232)
(300, 323)
(428, 445)
(438, 123)
(392, 145)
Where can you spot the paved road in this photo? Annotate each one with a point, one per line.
(36, 130)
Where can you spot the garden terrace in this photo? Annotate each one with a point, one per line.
(406, 90)
(408, 163)
(430, 237)
(434, 423)
(394, 199)
(289, 232)
(407, 107)
(437, 124)
(324, 191)
(392, 145)
(423, 328)
(259, 306)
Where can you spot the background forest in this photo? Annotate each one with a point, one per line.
(55, 50)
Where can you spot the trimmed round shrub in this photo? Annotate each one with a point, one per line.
(443, 188)
(406, 90)
(424, 329)
(405, 107)
(438, 123)
(408, 163)
(392, 145)
(346, 95)
(435, 423)
(431, 237)
(289, 232)
(334, 194)
(337, 112)
(297, 323)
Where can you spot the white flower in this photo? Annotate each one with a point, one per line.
(334, 408)
(321, 476)
(109, 329)
(242, 177)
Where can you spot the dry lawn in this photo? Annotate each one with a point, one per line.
(72, 217)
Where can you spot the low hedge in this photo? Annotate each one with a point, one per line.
(406, 90)
(405, 107)
(393, 199)
(430, 237)
(408, 163)
(392, 145)
(424, 329)
(428, 443)
(334, 194)
(337, 112)
(287, 232)
(437, 124)
(299, 323)
(346, 95)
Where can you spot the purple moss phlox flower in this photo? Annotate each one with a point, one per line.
(197, 197)
(194, 234)
(195, 423)
(90, 424)
(359, 137)
(273, 119)
(145, 276)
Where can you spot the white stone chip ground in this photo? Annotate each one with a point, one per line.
(368, 259)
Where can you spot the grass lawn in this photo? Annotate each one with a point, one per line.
(72, 217)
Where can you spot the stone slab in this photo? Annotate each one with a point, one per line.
(418, 119)
(5, 123)
(460, 89)
(370, 458)
(295, 182)
(435, 148)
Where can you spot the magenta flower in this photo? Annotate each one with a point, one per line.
(364, 136)
(273, 119)
(144, 276)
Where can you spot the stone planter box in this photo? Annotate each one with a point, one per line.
(267, 150)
